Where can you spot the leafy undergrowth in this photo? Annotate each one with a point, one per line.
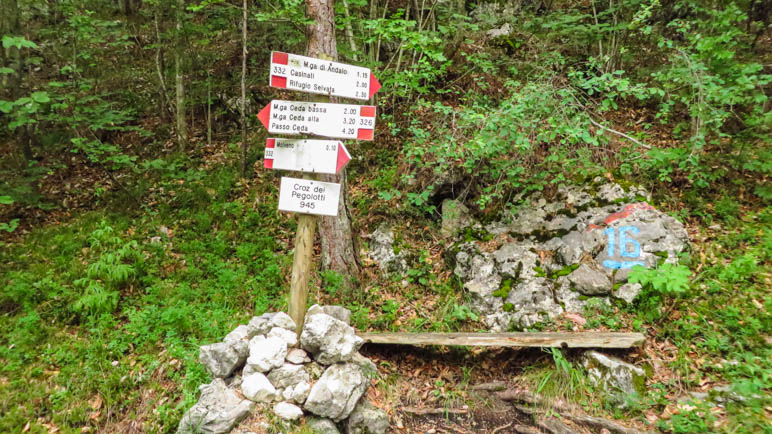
(103, 314)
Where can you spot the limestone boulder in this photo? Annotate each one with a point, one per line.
(297, 356)
(367, 419)
(329, 340)
(590, 280)
(218, 410)
(532, 301)
(265, 354)
(337, 392)
(288, 375)
(288, 336)
(260, 325)
(338, 312)
(320, 425)
(628, 292)
(287, 411)
(258, 388)
(618, 379)
(222, 358)
(382, 251)
(455, 217)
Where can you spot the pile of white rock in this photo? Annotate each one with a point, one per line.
(262, 366)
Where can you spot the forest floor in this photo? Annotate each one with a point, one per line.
(105, 304)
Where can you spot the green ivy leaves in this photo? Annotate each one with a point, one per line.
(18, 42)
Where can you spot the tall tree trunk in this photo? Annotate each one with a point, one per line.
(350, 31)
(244, 90)
(182, 135)
(12, 58)
(164, 103)
(125, 6)
(339, 251)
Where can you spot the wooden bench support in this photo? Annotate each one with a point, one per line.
(559, 340)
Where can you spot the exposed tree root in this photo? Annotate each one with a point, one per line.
(538, 406)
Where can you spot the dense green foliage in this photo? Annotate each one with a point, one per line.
(123, 251)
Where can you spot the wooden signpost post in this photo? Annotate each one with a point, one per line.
(311, 197)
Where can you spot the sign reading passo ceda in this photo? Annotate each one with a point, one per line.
(342, 121)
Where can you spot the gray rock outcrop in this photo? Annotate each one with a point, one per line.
(590, 280)
(382, 251)
(554, 257)
(628, 292)
(455, 217)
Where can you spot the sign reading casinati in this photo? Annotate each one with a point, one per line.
(341, 121)
(307, 74)
(309, 197)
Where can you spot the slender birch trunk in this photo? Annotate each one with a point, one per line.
(244, 90)
(182, 134)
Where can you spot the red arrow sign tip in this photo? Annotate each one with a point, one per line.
(374, 85)
(343, 157)
(265, 115)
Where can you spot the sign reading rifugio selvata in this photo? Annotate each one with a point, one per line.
(307, 74)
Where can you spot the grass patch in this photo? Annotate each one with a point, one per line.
(104, 315)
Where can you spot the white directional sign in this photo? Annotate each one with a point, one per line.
(318, 156)
(341, 121)
(307, 74)
(309, 197)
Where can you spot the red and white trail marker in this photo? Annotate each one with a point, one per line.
(309, 197)
(307, 74)
(340, 121)
(317, 156)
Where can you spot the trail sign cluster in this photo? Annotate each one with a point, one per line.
(301, 118)
(311, 197)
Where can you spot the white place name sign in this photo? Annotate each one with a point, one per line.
(341, 121)
(307, 74)
(309, 197)
(318, 156)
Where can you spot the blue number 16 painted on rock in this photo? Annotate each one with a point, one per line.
(624, 251)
